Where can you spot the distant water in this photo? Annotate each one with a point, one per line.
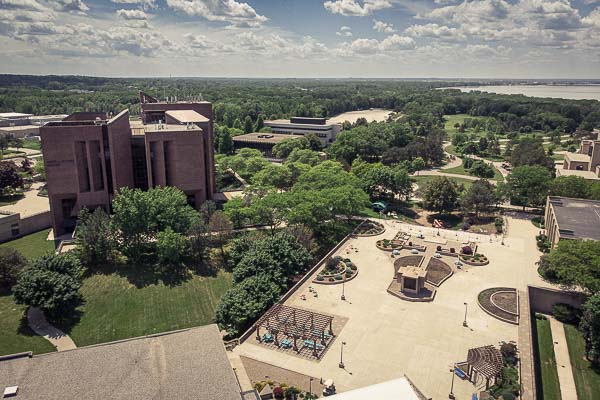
(576, 92)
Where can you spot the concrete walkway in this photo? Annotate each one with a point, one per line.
(39, 324)
(30, 204)
(563, 362)
(240, 371)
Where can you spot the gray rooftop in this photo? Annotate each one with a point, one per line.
(577, 218)
(186, 364)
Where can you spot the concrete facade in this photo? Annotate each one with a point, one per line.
(90, 156)
(586, 161)
(327, 132)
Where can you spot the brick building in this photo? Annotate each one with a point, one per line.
(89, 156)
(584, 163)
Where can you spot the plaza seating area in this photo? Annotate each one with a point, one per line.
(302, 332)
(501, 303)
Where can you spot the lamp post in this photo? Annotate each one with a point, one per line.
(451, 394)
(341, 364)
(343, 287)
(465, 321)
(310, 388)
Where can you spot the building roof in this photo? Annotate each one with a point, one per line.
(265, 137)
(577, 157)
(576, 218)
(411, 271)
(8, 115)
(185, 116)
(186, 364)
(400, 389)
(299, 125)
(574, 172)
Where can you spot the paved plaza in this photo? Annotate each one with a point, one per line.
(387, 337)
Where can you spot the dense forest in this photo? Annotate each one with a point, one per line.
(235, 99)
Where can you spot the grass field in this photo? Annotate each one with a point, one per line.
(15, 336)
(549, 387)
(118, 306)
(587, 380)
(460, 170)
(422, 180)
(33, 245)
(451, 120)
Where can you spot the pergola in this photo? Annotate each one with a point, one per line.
(296, 323)
(485, 361)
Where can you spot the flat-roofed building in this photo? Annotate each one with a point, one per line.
(584, 163)
(20, 131)
(264, 142)
(186, 364)
(326, 131)
(89, 156)
(568, 218)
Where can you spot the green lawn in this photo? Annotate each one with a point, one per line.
(422, 180)
(33, 245)
(15, 336)
(451, 120)
(32, 144)
(119, 307)
(460, 170)
(587, 380)
(546, 362)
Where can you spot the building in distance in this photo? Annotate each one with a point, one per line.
(584, 163)
(568, 218)
(326, 131)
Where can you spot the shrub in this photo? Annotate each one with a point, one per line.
(566, 313)
(349, 274)
(467, 250)
(330, 279)
(11, 264)
(439, 248)
(320, 278)
(353, 267)
(278, 392)
(332, 263)
(291, 391)
(466, 226)
(338, 277)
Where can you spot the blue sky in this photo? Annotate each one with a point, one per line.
(302, 38)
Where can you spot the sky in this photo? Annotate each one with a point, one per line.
(302, 38)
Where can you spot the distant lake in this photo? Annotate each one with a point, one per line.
(575, 92)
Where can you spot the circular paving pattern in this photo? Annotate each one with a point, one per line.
(501, 303)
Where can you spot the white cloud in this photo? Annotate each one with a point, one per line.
(354, 8)
(69, 5)
(434, 31)
(384, 27)
(365, 46)
(593, 19)
(144, 3)
(344, 31)
(132, 14)
(233, 12)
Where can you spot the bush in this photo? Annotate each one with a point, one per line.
(11, 264)
(467, 250)
(353, 267)
(278, 392)
(465, 226)
(349, 274)
(291, 391)
(332, 263)
(171, 247)
(439, 248)
(566, 313)
(320, 278)
(338, 277)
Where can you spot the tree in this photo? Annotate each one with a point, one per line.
(418, 164)
(590, 328)
(528, 186)
(225, 142)
(277, 176)
(401, 184)
(270, 210)
(440, 195)
(9, 177)
(304, 156)
(480, 197)
(95, 238)
(40, 169)
(285, 147)
(530, 151)
(482, 169)
(171, 248)
(11, 264)
(574, 263)
(260, 123)
(314, 143)
(139, 215)
(52, 283)
(199, 240)
(220, 227)
(570, 186)
(244, 302)
(248, 125)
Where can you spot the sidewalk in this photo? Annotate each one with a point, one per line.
(38, 323)
(563, 362)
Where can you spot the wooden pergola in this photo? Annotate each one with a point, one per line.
(485, 361)
(296, 323)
